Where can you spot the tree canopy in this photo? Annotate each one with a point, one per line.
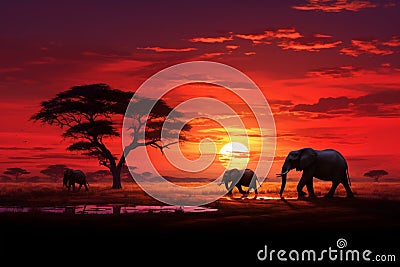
(55, 171)
(16, 172)
(376, 174)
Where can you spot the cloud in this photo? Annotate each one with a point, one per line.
(211, 55)
(340, 72)
(163, 49)
(266, 36)
(335, 5)
(211, 40)
(329, 104)
(314, 46)
(373, 47)
(232, 47)
(380, 104)
(320, 35)
(392, 42)
(255, 38)
(287, 38)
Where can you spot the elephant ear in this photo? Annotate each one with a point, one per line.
(307, 157)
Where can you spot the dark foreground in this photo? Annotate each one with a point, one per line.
(232, 235)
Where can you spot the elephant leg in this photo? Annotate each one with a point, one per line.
(230, 191)
(333, 188)
(86, 187)
(79, 187)
(241, 189)
(300, 186)
(346, 185)
(253, 184)
(73, 187)
(310, 188)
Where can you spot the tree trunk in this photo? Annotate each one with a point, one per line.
(116, 179)
(116, 173)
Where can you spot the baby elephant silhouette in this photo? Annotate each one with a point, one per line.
(75, 176)
(239, 178)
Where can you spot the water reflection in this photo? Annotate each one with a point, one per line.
(257, 198)
(107, 209)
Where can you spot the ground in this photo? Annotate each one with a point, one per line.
(234, 233)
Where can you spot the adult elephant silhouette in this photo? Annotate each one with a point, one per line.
(239, 178)
(327, 165)
(71, 177)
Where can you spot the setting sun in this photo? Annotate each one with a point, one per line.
(234, 155)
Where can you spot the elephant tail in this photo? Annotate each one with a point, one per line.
(258, 181)
(348, 176)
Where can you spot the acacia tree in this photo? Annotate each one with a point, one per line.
(17, 172)
(55, 171)
(376, 174)
(89, 116)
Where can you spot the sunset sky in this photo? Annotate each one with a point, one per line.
(330, 71)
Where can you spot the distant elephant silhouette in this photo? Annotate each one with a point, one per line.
(327, 165)
(75, 176)
(239, 178)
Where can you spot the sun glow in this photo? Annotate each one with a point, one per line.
(234, 155)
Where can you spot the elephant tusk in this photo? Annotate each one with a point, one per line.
(283, 173)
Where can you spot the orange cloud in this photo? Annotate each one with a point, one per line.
(393, 42)
(219, 39)
(335, 6)
(232, 47)
(162, 49)
(315, 46)
(262, 38)
(319, 35)
(284, 33)
(250, 53)
(340, 72)
(255, 38)
(211, 55)
(350, 52)
(374, 47)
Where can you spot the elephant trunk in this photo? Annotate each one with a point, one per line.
(283, 184)
(285, 169)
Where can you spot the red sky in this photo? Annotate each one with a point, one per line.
(330, 70)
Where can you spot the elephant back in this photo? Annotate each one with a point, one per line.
(247, 177)
(77, 172)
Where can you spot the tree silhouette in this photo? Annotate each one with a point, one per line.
(17, 172)
(376, 174)
(89, 114)
(55, 171)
